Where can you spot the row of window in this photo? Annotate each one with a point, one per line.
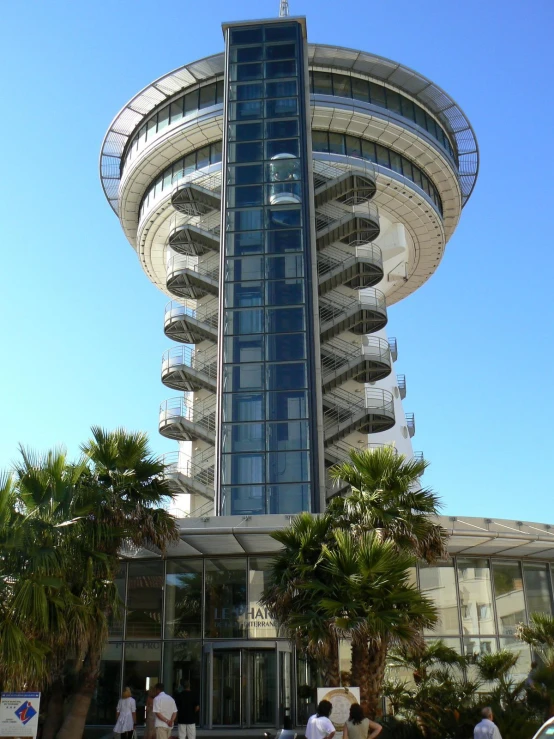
(216, 598)
(259, 348)
(323, 141)
(321, 83)
(352, 146)
(342, 85)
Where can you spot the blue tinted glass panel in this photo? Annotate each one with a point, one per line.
(243, 407)
(285, 406)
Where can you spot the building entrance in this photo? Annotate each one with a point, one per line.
(247, 686)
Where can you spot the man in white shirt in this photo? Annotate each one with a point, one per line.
(320, 725)
(486, 729)
(165, 711)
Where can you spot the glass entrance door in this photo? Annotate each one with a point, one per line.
(247, 687)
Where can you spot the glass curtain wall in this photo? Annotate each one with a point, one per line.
(266, 441)
(173, 609)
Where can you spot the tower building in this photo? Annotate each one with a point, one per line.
(284, 195)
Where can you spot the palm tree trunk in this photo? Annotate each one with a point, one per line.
(361, 670)
(330, 665)
(54, 711)
(73, 726)
(377, 657)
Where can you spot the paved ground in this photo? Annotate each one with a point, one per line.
(102, 733)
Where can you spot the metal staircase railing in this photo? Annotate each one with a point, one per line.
(186, 368)
(190, 278)
(366, 361)
(344, 412)
(194, 235)
(185, 420)
(188, 323)
(364, 314)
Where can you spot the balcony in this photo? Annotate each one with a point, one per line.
(183, 420)
(194, 240)
(358, 267)
(410, 424)
(187, 369)
(186, 476)
(187, 277)
(352, 186)
(393, 348)
(186, 323)
(363, 315)
(334, 223)
(366, 362)
(344, 412)
(193, 199)
(401, 384)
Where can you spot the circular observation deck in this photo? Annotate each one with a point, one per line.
(359, 64)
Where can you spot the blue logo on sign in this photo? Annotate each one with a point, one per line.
(25, 712)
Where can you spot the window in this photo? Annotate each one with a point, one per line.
(287, 436)
(475, 593)
(144, 600)
(225, 597)
(438, 582)
(342, 86)
(243, 469)
(244, 349)
(284, 347)
(323, 83)
(288, 467)
(285, 292)
(537, 588)
(243, 437)
(289, 405)
(243, 407)
(183, 598)
(286, 376)
(241, 377)
(508, 591)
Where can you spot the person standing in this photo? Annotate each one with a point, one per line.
(126, 716)
(486, 728)
(165, 711)
(187, 712)
(359, 727)
(150, 725)
(320, 725)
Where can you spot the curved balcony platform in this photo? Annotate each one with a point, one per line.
(187, 477)
(188, 324)
(192, 199)
(410, 423)
(357, 268)
(367, 362)
(191, 240)
(190, 370)
(361, 316)
(345, 412)
(188, 278)
(334, 223)
(183, 420)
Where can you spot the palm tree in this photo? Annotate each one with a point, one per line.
(366, 591)
(123, 495)
(62, 527)
(539, 634)
(53, 584)
(291, 604)
(386, 495)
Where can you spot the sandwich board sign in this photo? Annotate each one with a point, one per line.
(19, 715)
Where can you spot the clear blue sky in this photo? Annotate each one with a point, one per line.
(81, 326)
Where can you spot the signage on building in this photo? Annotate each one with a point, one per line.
(19, 715)
(341, 700)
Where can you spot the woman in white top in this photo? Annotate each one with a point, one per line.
(320, 725)
(126, 715)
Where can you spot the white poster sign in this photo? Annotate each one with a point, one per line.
(341, 700)
(19, 715)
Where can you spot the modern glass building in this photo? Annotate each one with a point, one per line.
(283, 195)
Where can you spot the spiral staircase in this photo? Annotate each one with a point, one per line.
(349, 266)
